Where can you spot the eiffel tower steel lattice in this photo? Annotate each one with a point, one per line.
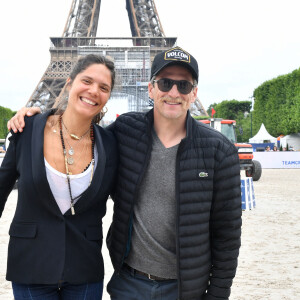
(132, 56)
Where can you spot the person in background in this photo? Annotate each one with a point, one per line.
(65, 166)
(177, 205)
(268, 149)
(275, 148)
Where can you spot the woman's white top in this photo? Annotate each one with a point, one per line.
(59, 185)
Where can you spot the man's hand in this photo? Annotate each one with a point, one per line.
(16, 123)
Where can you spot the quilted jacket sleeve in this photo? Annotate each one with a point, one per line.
(225, 224)
(8, 173)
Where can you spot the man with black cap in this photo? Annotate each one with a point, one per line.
(177, 214)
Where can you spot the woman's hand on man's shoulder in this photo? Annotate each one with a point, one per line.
(17, 123)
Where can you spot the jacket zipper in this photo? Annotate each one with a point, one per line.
(177, 215)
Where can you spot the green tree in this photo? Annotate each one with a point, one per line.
(277, 104)
(213, 105)
(243, 121)
(238, 111)
(5, 115)
(229, 109)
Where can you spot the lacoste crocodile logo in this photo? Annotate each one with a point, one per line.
(203, 174)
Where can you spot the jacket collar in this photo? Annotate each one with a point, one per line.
(188, 123)
(37, 160)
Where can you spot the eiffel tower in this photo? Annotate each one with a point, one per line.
(132, 56)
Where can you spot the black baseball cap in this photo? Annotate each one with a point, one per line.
(174, 56)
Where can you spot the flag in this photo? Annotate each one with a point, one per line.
(212, 112)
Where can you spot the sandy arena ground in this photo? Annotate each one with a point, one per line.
(269, 261)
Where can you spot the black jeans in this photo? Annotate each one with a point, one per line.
(130, 286)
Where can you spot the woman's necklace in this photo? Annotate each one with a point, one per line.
(66, 163)
(72, 135)
(71, 151)
(70, 159)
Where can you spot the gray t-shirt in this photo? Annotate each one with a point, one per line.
(153, 245)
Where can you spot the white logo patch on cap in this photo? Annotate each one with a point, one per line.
(177, 54)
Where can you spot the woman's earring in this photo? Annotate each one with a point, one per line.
(103, 112)
(99, 117)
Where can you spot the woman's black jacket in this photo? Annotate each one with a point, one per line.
(45, 245)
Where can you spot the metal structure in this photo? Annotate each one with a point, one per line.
(197, 109)
(83, 19)
(143, 18)
(132, 56)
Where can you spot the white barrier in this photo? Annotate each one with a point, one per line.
(248, 197)
(278, 160)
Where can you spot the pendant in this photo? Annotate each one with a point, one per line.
(70, 160)
(71, 151)
(72, 210)
(74, 137)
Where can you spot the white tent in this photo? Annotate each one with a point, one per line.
(292, 140)
(263, 136)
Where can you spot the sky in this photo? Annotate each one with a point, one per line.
(239, 44)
